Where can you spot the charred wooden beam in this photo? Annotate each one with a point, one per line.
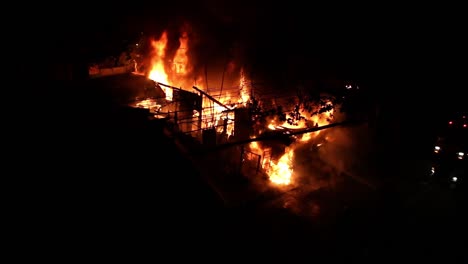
(168, 86)
(212, 98)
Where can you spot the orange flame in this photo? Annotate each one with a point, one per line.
(180, 63)
(281, 172)
(158, 71)
(181, 60)
(177, 71)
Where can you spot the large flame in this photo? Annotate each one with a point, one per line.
(177, 71)
(281, 172)
(158, 71)
(181, 59)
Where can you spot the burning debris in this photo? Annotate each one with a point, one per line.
(303, 116)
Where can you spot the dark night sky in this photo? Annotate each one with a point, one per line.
(403, 50)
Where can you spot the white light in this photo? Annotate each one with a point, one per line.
(454, 179)
(460, 155)
(432, 171)
(436, 149)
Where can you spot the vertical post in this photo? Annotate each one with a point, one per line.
(206, 78)
(222, 79)
(200, 113)
(259, 159)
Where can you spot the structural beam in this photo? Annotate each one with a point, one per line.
(212, 98)
(282, 136)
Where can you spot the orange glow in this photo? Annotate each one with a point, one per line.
(318, 119)
(244, 92)
(148, 104)
(158, 71)
(177, 71)
(181, 61)
(281, 172)
(307, 136)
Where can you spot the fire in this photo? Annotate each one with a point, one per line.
(181, 60)
(217, 114)
(281, 172)
(177, 71)
(170, 71)
(307, 136)
(158, 71)
(319, 119)
(148, 104)
(244, 92)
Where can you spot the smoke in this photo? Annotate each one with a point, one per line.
(323, 168)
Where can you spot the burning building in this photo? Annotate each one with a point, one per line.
(267, 136)
(235, 111)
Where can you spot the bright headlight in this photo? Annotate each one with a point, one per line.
(460, 155)
(436, 149)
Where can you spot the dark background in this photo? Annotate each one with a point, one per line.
(410, 58)
(407, 52)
